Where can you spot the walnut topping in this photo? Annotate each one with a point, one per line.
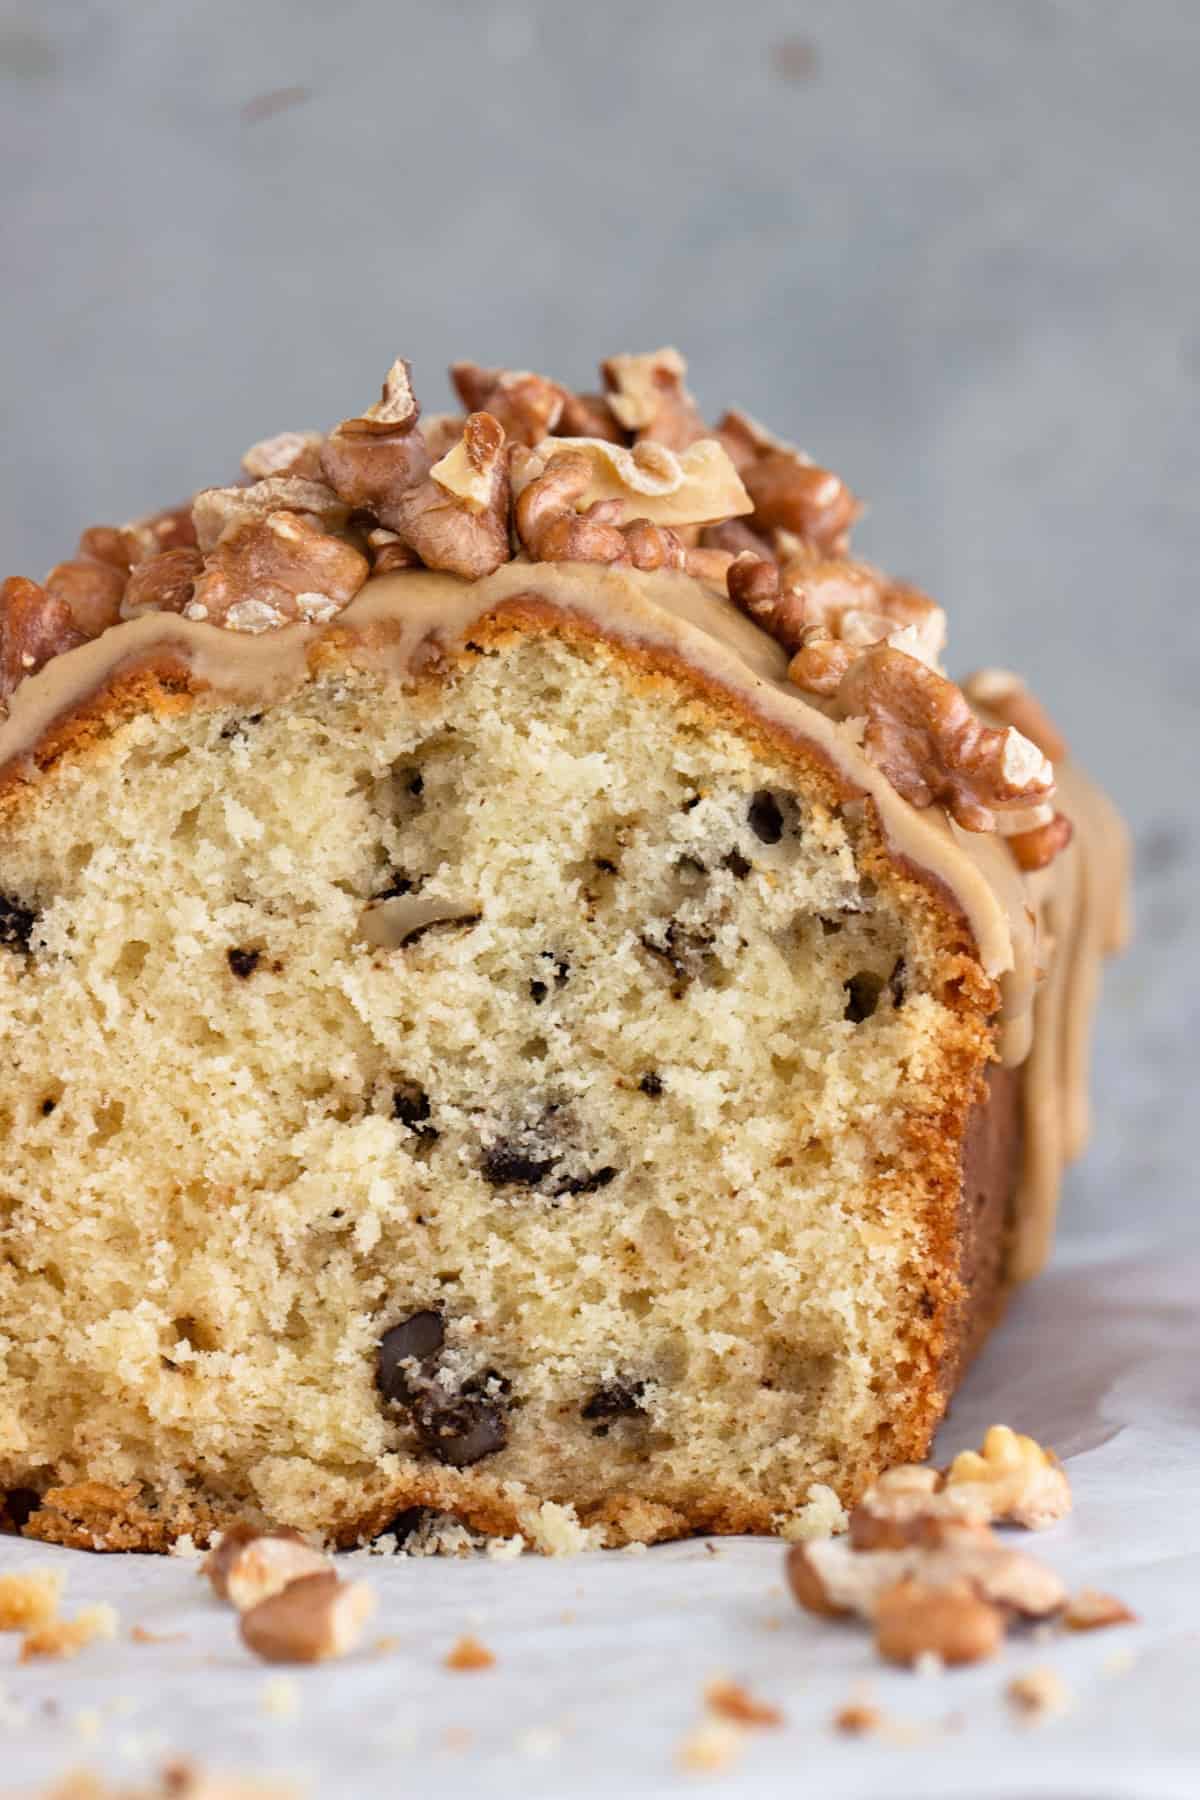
(34, 627)
(646, 394)
(219, 512)
(1037, 848)
(790, 492)
(288, 453)
(457, 519)
(755, 584)
(273, 571)
(163, 583)
(173, 529)
(693, 488)
(1006, 696)
(527, 406)
(310, 1620)
(108, 544)
(1021, 1482)
(248, 1566)
(924, 737)
(589, 416)
(92, 592)
(552, 530)
(373, 461)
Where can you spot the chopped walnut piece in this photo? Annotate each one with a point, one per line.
(108, 544)
(389, 552)
(245, 1569)
(830, 1577)
(527, 405)
(953, 1623)
(457, 519)
(29, 1598)
(755, 586)
(924, 737)
(275, 571)
(790, 493)
(857, 1719)
(1091, 1610)
(468, 1655)
(1021, 1483)
(589, 416)
(552, 530)
(907, 1504)
(737, 537)
(732, 1701)
(310, 1620)
(821, 663)
(173, 529)
(92, 592)
(287, 453)
(646, 394)
(1006, 696)
(1038, 848)
(694, 487)
(373, 461)
(1038, 1693)
(67, 1637)
(219, 512)
(441, 432)
(34, 627)
(162, 583)
(809, 1587)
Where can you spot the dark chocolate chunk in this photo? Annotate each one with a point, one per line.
(16, 924)
(615, 1400)
(410, 1104)
(415, 1339)
(19, 1506)
(584, 1184)
(48, 1106)
(509, 1164)
(764, 817)
(459, 1429)
(605, 866)
(244, 962)
(397, 885)
(862, 996)
(416, 783)
(737, 865)
(651, 1084)
(538, 991)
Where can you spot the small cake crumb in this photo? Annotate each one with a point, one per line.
(67, 1637)
(555, 1530)
(857, 1719)
(822, 1516)
(709, 1747)
(141, 1634)
(1039, 1693)
(186, 1546)
(506, 1549)
(469, 1653)
(29, 1598)
(279, 1697)
(1091, 1610)
(734, 1702)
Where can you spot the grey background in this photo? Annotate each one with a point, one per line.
(950, 247)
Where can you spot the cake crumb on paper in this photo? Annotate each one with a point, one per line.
(710, 1747)
(1039, 1693)
(734, 1702)
(29, 1598)
(63, 1638)
(469, 1654)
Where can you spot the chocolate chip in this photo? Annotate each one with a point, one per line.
(16, 924)
(459, 1429)
(764, 817)
(244, 962)
(509, 1164)
(651, 1084)
(685, 952)
(862, 996)
(20, 1504)
(405, 1523)
(830, 927)
(410, 1104)
(737, 865)
(416, 783)
(692, 801)
(584, 1184)
(236, 727)
(605, 866)
(898, 983)
(397, 885)
(538, 991)
(615, 1400)
(415, 1339)
(48, 1107)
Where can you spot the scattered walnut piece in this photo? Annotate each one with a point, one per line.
(29, 1598)
(92, 592)
(1092, 1610)
(923, 736)
(1022, 1483)
(1038, 1694)
(372, 461)
(163, 583)
(832, 1578)
(647, 395)
(906, 1504)
(245, 1570)
(469, 1654)
(35, 627)
(953, 1622)
(310, 1620)
(1007, 698)
(274, 571)
(527, 406)
(67, 1637)
(736, 1703)
(457, 519)
(807, 1582)
(287, 453)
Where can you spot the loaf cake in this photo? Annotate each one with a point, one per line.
(522, 983)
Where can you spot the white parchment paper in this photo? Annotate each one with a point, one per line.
(602, 1659)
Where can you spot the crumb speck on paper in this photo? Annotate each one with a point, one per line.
(732, 1701)
(469, 1654)
(185, 1546)
(795, 60)
(87, 1723)
(383, 1645)
(1091, 1610)
(279, 1697)
(141, 1634)
(1040, 1693)
(710, 1747)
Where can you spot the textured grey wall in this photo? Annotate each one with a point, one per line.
(951, 247)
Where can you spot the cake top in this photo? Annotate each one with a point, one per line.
(532, 472)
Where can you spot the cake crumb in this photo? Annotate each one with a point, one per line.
(734, 1702)
(857, 1719)
(822, 1516)
(186, 1546)
(506, 1549)
(279, 1697)
(29, 1598)
(1039, 1693)
(710, 1747)
(469, 1653)
(556, 1531)
(67, 1637)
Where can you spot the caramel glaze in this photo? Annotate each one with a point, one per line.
(1041, 937)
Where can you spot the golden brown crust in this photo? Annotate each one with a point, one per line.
(947, 1316)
